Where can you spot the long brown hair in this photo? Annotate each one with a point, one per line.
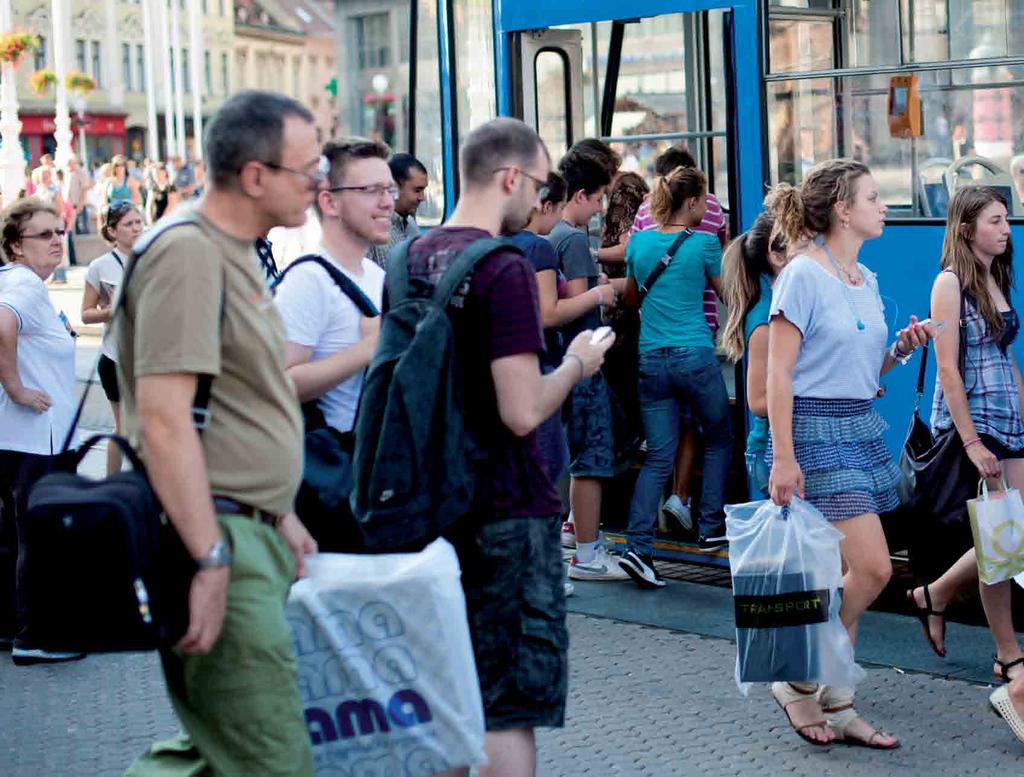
(744, 261)
(807, 211)
(957, 254)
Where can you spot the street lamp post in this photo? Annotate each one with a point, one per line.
(60, 12)
(152, 129)
(12, 163)
(195, 58)
(179, 83)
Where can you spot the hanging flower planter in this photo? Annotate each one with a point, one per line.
(79, 82)
(14, 45)
(42, 80)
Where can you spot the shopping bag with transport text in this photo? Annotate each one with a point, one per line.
(787, 589)
(386, 670)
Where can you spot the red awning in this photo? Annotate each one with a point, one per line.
(95, 124)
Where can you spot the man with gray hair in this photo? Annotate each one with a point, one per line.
(198, 320)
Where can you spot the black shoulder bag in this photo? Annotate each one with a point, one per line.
(939, 478)
(105, 569)
(322, 502)
(659, 269)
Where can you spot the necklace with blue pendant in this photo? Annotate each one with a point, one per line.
(846, 289)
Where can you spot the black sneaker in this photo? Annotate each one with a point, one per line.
(712, 542)
(640, 567)
(23, 656)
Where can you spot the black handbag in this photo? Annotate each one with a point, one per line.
(322, 502)
(105, 570)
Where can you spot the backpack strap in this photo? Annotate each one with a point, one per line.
(645, 288)
(348, 287)
(464, 264)
(397, 272)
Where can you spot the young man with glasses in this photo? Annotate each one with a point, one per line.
(330, 343)
(196, 304)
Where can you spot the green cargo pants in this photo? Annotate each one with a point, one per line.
(239, 705)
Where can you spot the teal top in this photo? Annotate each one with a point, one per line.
(116, 193)
(757, 439)
(672, 315)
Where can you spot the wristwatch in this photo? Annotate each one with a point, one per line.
(218, 556)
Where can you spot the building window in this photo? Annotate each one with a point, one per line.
(207, 73)
(97, 59)
(225, 78)
(126, 65)
(140, 64)
(186, 71)
(372, 40)
(80, 56)
(40, 54)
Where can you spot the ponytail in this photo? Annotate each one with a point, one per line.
(787, 206)
(672, 190)
(744, 261)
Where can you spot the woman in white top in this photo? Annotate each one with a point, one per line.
(827, 347)
(37, 386)
(122, 225)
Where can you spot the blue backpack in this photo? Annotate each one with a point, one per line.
(415, 464)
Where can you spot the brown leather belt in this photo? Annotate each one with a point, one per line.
(228, 506)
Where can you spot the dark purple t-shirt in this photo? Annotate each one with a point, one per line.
(500, 317)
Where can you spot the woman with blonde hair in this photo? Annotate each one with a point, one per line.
(678, 364)
(827, 348)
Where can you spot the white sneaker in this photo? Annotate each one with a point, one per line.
(569, 589)
(679, 510)
(603, 567)
(568, 535)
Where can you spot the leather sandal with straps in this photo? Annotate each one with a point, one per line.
(1005, 667)
(786, 694)
(839, 720)
(926, 612)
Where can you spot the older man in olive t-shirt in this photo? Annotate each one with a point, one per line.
(196, 305)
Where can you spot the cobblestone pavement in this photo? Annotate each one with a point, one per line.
(643, 701)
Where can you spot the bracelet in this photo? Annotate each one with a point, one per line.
(971, 442)
(600, 296)
(578, 360)
(894, 352)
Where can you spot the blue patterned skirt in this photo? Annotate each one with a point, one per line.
(848, 470)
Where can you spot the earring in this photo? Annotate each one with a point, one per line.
(846, 224)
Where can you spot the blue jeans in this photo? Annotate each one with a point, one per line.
(670, 378)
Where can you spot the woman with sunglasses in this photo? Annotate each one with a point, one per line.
(122, 225)
(37, 393)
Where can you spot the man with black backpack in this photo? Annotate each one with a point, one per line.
(330, 338)
(508, 545)
(197, 313)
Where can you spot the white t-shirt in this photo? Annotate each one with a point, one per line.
(105, 274)
(837, 360)
(46, 362)
(317, 314)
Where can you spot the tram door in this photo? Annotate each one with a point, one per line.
(640, 85)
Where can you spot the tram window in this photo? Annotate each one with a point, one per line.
(874, 33)
(802, 3)
(474, 63)
(593, 36)
(551, 74)
(800, 44)
(428, 113)
(801, 127)
(964, 29)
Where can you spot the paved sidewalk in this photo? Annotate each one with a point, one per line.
(643, 701)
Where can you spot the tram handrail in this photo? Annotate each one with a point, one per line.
(665, 136)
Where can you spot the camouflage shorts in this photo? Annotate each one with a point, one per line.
(512, 574)
(589, 429)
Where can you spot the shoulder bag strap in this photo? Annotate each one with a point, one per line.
(645, 288)
(397, 272)
(348, 287)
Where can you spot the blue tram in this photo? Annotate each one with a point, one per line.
(929, 93)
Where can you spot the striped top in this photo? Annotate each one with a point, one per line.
(713, 223)
(988, 380)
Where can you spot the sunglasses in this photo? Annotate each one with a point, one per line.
(46, 234)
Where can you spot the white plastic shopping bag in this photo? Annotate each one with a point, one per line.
(386, 668)
(997, 523)
(787, 589)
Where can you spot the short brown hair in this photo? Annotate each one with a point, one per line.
(501, 141)
(340, 152)
(14, 218)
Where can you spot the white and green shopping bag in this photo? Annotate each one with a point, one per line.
(997, 522)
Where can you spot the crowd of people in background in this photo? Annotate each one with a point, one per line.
(530, 374)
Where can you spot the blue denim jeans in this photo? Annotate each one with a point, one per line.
(669, 379)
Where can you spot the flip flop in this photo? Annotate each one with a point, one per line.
(839, 720)
(926, 612)
(1003, 707)
(1005, 667)
(784, 695)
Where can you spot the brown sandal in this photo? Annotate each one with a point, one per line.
(839, 720)
(786, 694)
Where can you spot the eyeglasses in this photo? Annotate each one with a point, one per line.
(539, 184)
(46, 234)
(323, 167)
(377, 190)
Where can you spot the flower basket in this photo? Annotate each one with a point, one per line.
(14, 45)
(42, 80)
(79, 82)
